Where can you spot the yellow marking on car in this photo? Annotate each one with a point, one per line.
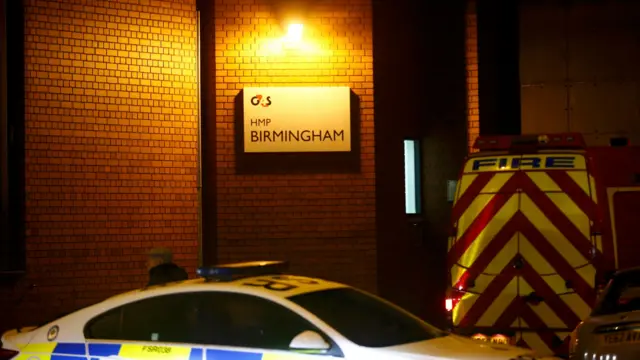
(134, 351)
(32, 356)
(41, 351)
(46, 348)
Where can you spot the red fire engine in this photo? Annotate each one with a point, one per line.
(537, 220)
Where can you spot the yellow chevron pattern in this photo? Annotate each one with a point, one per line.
(520, 244)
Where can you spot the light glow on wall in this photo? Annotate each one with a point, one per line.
(295, 39)
(294, 32)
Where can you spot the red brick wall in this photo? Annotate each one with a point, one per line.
(111, 139)
(324, 224)
(471, 54)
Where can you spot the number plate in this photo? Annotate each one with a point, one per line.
(621, 338)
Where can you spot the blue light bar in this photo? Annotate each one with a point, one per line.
(244, 269)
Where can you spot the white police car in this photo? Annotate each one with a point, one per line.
(246, 311)
(612, 331)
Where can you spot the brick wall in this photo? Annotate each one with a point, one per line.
(111, 139)
(471, 55)
(324, 224)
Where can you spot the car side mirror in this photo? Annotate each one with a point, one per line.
(309, 340)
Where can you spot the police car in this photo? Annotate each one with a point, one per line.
(612, 331)
(245, 311)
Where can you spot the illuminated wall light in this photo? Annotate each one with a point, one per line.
(291, 15)
(296, 37)
(294, 32)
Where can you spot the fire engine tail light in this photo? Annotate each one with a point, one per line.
(451, 302)
(452, 299)
(448, 304)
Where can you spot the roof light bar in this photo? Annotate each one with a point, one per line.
(541, 141)
(233, 271)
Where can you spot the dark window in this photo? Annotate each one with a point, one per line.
(364, 319)
(162, 318)
(254, 322)
(212, 318)
(165, 318)
(106, 326)
(621, 295)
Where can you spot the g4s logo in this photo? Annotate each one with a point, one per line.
(261, 100)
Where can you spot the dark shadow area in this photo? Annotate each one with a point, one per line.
(12, 242)
(208, 140)
(498, 67)
(420, 93)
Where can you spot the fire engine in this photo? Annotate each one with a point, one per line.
(537, 222)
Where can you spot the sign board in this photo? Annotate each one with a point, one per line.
(297, 119)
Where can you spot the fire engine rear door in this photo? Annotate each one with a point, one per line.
(484, 246)
(555, 247)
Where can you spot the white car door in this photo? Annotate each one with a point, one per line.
(204, 325)
(158, 327)
(247, 327)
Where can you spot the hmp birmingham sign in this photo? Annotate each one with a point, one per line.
(297, 119)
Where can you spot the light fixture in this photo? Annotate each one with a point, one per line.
(291, 15)
(294, 32)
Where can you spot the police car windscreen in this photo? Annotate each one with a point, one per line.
(623, 295)
(365, 320)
